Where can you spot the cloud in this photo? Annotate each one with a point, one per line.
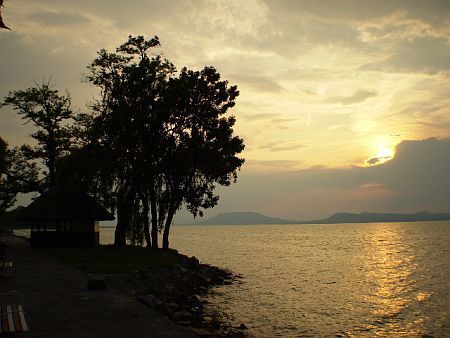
(256, 82)
(281, 146)
(434, 11)
(376, 160)
(257, 117)
(50, 18)
(426, 54)
(270, 165)
(359, 96)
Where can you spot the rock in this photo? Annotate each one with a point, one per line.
(172, 305)
(205, 278)
(193, 260)
(180, 315)
(243, 327)
(149, 300)
(200, 331)
(96, 284)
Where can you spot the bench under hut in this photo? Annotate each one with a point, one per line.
(65, 217)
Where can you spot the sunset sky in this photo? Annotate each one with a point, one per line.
(329, 89)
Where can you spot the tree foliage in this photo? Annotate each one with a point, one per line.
(48, 112)
(166, 134)
(17, 175)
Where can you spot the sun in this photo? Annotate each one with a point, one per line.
(385, 152)
(382, 152)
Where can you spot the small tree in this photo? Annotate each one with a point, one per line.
(17, 175)
(49, 112)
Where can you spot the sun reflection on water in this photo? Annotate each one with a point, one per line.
(391, 270)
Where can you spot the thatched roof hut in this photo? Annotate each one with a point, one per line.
(64, 216)
(64, 203)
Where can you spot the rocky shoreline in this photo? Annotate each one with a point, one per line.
(176, 292)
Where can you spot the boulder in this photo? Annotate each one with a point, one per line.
(180, 315)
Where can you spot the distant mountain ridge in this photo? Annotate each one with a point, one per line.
(367, 217)
(243, 218)
(251, 218)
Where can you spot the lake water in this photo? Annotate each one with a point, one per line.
(352, 280)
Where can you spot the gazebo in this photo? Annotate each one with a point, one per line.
(64, 216)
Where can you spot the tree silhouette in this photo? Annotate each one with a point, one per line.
(49, 112)
(200, 147)
(17, 175)
(165, 134)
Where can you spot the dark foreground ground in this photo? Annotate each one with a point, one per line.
(57, 302)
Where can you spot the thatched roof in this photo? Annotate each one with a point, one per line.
(64, 203)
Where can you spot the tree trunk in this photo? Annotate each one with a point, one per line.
(154, 213)
(166, 233)
(146, 221)
(51, 164)
(123, 220)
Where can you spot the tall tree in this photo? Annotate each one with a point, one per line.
(201, 150)
(48, 111)
(167, 133)
(125, 121)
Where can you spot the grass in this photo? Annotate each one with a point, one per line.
(113, 260)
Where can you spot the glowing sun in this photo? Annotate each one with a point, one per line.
(385, 152)
(382, 153)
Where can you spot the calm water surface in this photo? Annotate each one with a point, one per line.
(384, 279)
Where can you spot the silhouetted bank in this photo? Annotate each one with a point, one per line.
(249, 218)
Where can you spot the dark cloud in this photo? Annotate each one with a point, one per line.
(359, 96)
(376, 160)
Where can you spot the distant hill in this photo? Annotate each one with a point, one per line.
(366, 217)
(248, 218)
(243, 218)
